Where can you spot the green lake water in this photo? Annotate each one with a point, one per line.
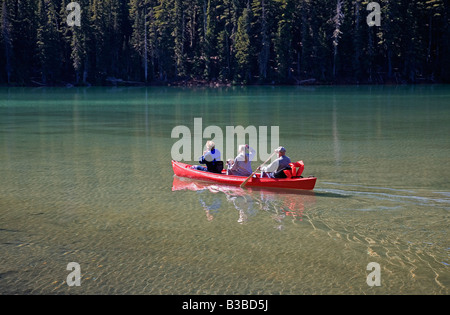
(86, 177)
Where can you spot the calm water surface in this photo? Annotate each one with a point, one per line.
(85, 176)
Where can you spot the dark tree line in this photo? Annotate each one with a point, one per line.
(233, 41)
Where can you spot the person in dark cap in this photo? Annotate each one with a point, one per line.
(281, 163)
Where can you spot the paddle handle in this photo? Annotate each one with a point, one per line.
(248, 178)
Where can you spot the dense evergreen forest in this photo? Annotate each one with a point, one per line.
(223, 41)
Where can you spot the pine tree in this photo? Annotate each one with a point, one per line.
(80, 50)
(164, 39)
(6, 41)
(358, 41)
(337, 20)
(391, 30)
(306, 45)
(66, 33)
(119, 33)
(262, 35)
(224, 42)
(210, 39)
(229, 17)
(283, 40)
(139, 14)
(179, 38)
(443, 57)
(48, 42)
(242, 46)
(437, 26)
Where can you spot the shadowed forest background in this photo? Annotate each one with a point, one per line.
(224, 41)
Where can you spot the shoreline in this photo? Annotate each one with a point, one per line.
(213, 84)
(193, 82)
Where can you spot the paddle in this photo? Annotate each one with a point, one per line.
(248, 178)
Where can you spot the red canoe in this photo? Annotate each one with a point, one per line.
(184, 170)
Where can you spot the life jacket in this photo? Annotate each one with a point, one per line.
(214, 166)
(296, 169)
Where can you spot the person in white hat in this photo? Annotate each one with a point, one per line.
(279, 164)
(241, 165)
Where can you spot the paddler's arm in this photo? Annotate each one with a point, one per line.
(272, 167)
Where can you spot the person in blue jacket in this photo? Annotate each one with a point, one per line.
(211, 158)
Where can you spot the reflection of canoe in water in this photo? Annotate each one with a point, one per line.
(290, 202)
(184, 170)
(180, 183)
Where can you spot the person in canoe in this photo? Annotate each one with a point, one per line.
(241, 165)
(211, 158)
(274, 169)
